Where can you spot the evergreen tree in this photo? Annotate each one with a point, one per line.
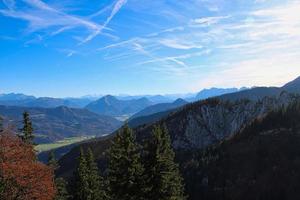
(1, 124)
(125, 169)
(82, 184)
(27, 130)
(61, 189)
(52, 162)
(164, 181)
(60, 183)
(95, 181)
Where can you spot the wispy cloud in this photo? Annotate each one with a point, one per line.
(115, 10)
(42, 16)
(208, 21)
(180, 44)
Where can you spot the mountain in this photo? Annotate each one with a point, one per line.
(159, 108)
(195, 126)
(213, 92)
(293, 86)
(13, 99)
(203, 123)
(259, 162)
(52, 124)
(154, 113)
(258, 93)
(253, 94)
(110, 105)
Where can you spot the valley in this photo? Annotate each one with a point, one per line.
(150, 100)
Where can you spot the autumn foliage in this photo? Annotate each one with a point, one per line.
(21, 176)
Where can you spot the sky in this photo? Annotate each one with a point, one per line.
(63, 48)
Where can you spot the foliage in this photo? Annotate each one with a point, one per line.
(164, 181)
(125, 170)
(27, 130)
(61, 189)
(95, 181)
(82, 185)
(1, 124)
(89, 183)
(22, 177)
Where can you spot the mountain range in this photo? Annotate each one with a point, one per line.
(13, 99)
(111, 106)
(53, 124)
(213, 92)
(199, 125)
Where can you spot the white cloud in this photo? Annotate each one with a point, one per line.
(208, 21)
(180, 44)
(42, 16)
(267, 71)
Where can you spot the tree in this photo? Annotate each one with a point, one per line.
(22, 177)
(1, 124)
(125, 169)
(82, 184)
(96, 185)
(27, 130)
(52, 162)
(164, 181)
(61, 189)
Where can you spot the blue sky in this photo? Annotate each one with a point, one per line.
(72, 48)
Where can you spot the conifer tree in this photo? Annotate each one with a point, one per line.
(82, 185)
(95, 181)
(27, 130)
(164, 181)
(61, 189)
(125, 169)
(1, 124)
(60, 183)
(52, 162)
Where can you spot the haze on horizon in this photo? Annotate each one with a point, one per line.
(75, 48)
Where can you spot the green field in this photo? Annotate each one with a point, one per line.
(61, 143)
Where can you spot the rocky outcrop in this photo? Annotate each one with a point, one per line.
(207, 122)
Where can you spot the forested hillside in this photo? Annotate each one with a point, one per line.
(260, 162)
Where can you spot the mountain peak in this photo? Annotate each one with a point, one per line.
(293, 86)
(179, 101)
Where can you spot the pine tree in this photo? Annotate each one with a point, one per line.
(61, 189)
(82, 185)
(27, 130)
(1, 124)
(164, 181)
(52, 162)
(96, 185)
(125, 169)
(60, 183)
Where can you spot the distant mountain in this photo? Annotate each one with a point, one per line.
(157, 108)
(13, 99)
(258, 93)
(52, 124)
(213, 92)
(110, 105)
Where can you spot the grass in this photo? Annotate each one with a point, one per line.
(61, 143)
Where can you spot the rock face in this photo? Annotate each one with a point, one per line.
(204, 123)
